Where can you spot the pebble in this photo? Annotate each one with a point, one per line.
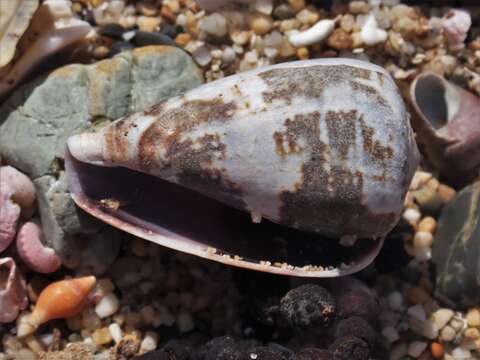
(441, 317)
(412, 216)
(263, 6)
(202, 56)
(340, 40)
(100, 52)
(416, 348)
(144, 38)
(283, 12)
(395, 300)
(425, 328)
(149, 342)
(120, 46)
(447, 334)
(228, 55)
(371, 34)
(307, 16)
(260, 23)
(115, 332)
(215, 25)
(185, 323)
(428, 224)
(146, 23)
(391, 334)
(418, 312)
(473, 317)
(296, 5)
(472, 333)
(446, 193)
(240, 37)
(147, 8)
(107, 306)
(317, 33)
(113, 30)
(459, 354)
(102, 336)
(398, 351)
(423, 239)
(183, 39)
(437, 350)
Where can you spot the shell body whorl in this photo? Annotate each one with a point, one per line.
(323, 146)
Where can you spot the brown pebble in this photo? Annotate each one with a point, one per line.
(296, 5)
(417, 295)
(100, 52)
(147, 9)
(260, 23)
(303, 53)
(428, 224)
(167, 13)
(149, 24)
(340, 40)
(446, 193)
(183, 39)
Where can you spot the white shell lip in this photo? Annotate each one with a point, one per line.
(181, 243)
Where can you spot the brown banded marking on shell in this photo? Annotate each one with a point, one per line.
(299, 144)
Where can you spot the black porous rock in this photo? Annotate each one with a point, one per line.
(349, 348)
(308, 306)
(354, 298)
(358, 327)
(221, 348)
(173, 350)
(313, 354)
(263, 353)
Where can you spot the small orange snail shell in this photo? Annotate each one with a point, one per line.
(59, 300)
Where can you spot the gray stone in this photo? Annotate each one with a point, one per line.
(37, 119)
(456, 249)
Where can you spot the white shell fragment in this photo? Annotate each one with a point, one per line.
(52, 28)
(456, 24)
(317, 33)
(323, 146)
(15, 16)
(371, 34)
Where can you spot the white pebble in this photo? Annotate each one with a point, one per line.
(371, 34)
(395, 301)
(315, 34)
(263, 6)
(107, 306)
(149, 342)
(418, 312)
(441, 317)
(422, 254)
(115, 332)
(412, 216)
(423, 239)
(185, 323)
(228, 55)
(459, 353)
(391, 334)
(202, 56)
(447, 333)
(416, 348)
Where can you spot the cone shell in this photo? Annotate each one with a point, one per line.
(322, 146)
(62, 299)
